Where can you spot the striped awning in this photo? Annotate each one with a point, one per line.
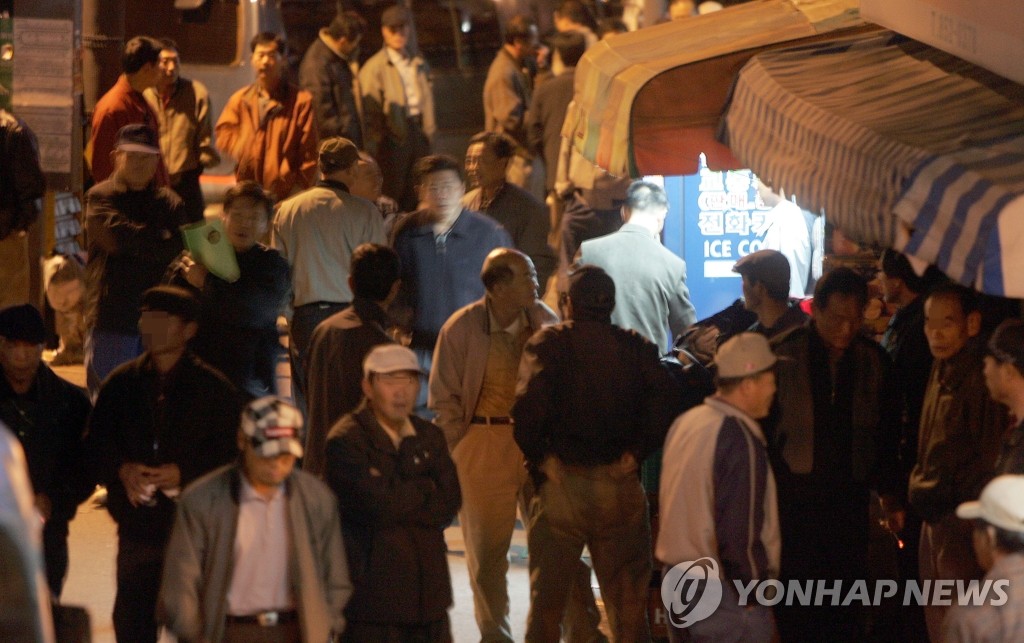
(867, 127)
(649, 102)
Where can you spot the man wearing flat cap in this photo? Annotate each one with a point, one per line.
(592, 401)
(48, 415)
(132, 227)
(256, 553)
(160, 421)
(398, 490)
(998, 519)
(398, 106)
(717, 494)
(765, 275)
(316, 232)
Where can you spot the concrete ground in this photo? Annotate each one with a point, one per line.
(91, 581)
(93, 544)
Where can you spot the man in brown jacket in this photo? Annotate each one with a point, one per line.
(959, 441)
(269, 127)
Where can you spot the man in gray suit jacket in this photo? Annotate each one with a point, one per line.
(651, 295)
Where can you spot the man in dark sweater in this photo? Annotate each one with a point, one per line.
(48, 416)
(161, 421)
(238, 326)
(342, 341)
(132, 227)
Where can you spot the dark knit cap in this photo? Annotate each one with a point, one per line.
(173, 301)
(592, 292)
(22, 324)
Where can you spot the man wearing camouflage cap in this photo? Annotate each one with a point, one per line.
(256, 553)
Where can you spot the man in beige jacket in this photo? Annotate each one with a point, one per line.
(256, 553)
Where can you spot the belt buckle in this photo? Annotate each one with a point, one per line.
(267, 619)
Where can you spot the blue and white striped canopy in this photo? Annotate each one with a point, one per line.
(900, 144)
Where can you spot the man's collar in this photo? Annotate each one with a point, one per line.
(246, 492)
(521, 321)
(333, 183)
(397, 57)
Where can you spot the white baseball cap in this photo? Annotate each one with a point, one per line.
(1001, 504)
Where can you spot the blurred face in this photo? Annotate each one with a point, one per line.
(483, 167)
(527, 48)
(839, 320)
(751, 294)
(392, 395)
(19, 360)
(245, 223)
(135, 169)
(163, 333)
(442, 193)
(266, 472)
(396, 37)
(891, 288)
(761, 392)
(170, 67)
(347, 47)
(946, 326)
(266, 61)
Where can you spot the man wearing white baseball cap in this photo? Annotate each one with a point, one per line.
(998, 516)
(398, 490)
(717, 494)
(256, 553)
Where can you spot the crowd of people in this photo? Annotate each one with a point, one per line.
(432, 379)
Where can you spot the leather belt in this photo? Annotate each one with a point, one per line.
(498, 420)
(265, 619)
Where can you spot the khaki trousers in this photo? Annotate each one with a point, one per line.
(946, 553)
(606, 511)
(494, 482)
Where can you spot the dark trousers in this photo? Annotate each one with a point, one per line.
(396, 159)
(300, 333)
(139, 566)
(55, 553)
(828, 543)
(433, 632)
(191, 194)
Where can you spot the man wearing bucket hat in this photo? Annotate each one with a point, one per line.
(132, 227)
(160, 421)
(256, 553)
(717, 492)
(398, 489)
(998, 517)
